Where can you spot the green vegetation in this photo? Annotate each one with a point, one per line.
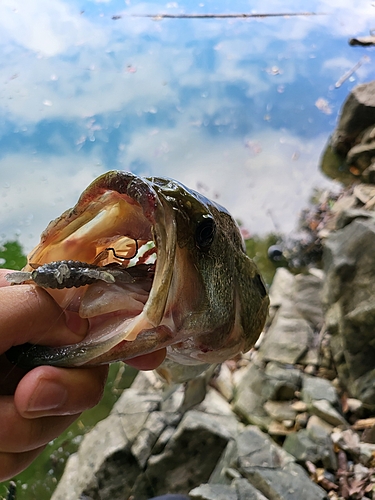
(257, 249)
(12, 256)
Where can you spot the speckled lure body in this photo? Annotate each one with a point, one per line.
(70, 273)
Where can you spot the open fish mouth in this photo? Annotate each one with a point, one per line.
(122, 235)
(150, 264)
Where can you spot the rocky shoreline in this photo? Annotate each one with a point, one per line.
(291, 419)
(268, 427)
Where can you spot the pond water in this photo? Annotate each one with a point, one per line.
(237, 108)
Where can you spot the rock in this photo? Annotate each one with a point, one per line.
(282, 287)
(250, 397)
(348, 290)
(314, 388)
(256, 449)
(188, 459)
(280, 410)
(311, 445)
(213, 492)
(102, 454)
(223, 382)
(299, 406)
(315, 421)
(286, 482)
(288, 337)
(347, 440)
(301, 420)
(357, 114)
(361, 155)
(280, 428)
(147, 437)
(246, 491)
(323, 409)
(307, 299)
(366, 453)
(282, 381)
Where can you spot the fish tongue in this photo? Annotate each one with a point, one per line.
(102, 298)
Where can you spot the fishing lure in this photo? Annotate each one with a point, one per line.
(71, 273)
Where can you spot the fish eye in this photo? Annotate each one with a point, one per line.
(205, 233)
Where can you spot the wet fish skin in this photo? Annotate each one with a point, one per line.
(208, 301)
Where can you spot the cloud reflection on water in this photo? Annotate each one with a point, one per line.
(227, 106)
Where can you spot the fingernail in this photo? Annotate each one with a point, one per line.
(75, 323)
(47, 396)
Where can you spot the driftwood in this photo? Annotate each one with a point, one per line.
(218, 16)
(363, 41)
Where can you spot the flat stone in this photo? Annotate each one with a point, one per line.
(279, 428)
(314, 388)
(312, 445)
(323, 409)
(246, 491)
(282, 287)
(299, 406)
(256, 449)
(280, 410)
(307, 299)
(213, 492)
(249, 397)
(132, 401)
(285, 483)
(315, 421)
(288, 337)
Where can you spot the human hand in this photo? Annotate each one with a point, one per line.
(38, 405)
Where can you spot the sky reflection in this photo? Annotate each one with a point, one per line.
(238, 109)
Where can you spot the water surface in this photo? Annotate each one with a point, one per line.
(239, 109)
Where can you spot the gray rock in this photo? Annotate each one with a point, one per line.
(361, 155)
(225, 469)
(282, 381)
(188, 459)
(357, 114)
(288, 337)
(290, 482)
(325, 411)
(280, 410)
(97, 464)
(307, 299)
(147, 437)
(256, 449)
(348, 291)
(314, 388)
(213, 492)
(313, 445)
(282, 287)
(246, 491)
(250, 397)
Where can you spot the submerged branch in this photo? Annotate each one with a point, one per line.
(219, 16)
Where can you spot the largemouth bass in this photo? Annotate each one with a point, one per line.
(151, 264)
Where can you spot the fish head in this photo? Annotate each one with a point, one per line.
(193, 288)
